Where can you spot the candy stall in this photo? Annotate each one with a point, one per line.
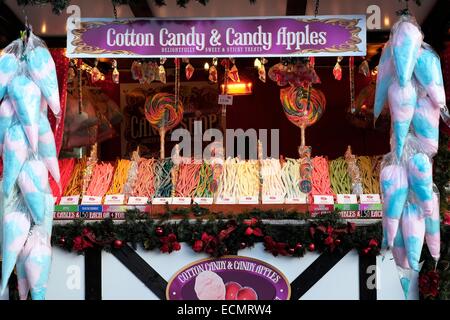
(240, 158)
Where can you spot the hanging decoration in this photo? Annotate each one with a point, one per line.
(337, 70)
(296, 72)
(136, 71)
(96, 75)
(415, 96)
(28, 77)
(351, 70)
(233, 74)
(364, 68)
(115, 73)
(189, 70)
(212, 74)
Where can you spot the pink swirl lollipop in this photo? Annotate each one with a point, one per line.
(163, 113)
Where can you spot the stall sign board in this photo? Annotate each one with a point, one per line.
(228, 278)
(293, 36)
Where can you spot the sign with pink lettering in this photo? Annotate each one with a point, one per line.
(219, 37)
(228, 278)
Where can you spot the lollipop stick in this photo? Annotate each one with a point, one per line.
(303, 129)
(162, 135)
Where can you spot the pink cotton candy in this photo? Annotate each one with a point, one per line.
(432, 231)
(402, 102)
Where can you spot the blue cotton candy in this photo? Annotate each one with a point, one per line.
(14, 155)
(42, 69)
(405, 283)
(432, 226)
(8, 67)
(424, 127)
(401, 129)
(421, 186)
(33, 183)
(428, 68)
(16, 225)
(396, 202)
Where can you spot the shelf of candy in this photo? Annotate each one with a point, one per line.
(231, 185)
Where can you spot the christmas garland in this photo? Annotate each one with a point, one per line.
(220, 235)
(59, 6)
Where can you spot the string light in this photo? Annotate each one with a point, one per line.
(206, 66)
(257, 63)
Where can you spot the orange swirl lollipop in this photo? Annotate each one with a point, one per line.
(301, 110)
(163, 113)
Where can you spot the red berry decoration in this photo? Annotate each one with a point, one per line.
(159, 231)
(248, 231)
(311, 247)
(337, 242)
(62, 241)
(366, 250)
(373, 243)
(242, 245)
(291, 251)
(118, 244)
(298, 246)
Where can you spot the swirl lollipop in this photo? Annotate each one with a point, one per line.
(163, 113)
(303, 107)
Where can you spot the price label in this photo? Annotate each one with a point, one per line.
(181, 200)
(370, 198)
(203, 200)
(138, 200)
(91, 200)
(346, 198)
(70, 200)
(249, 200)
(114, 199)
(226, 99)
(323, 199)
(226, 200)
(161, 200)
(273, 199)
(297, 200)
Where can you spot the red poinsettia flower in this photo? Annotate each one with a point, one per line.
(447, 218)
(257, 232)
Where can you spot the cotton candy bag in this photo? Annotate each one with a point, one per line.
(43, 72)
(9, 64)
(406, 39)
